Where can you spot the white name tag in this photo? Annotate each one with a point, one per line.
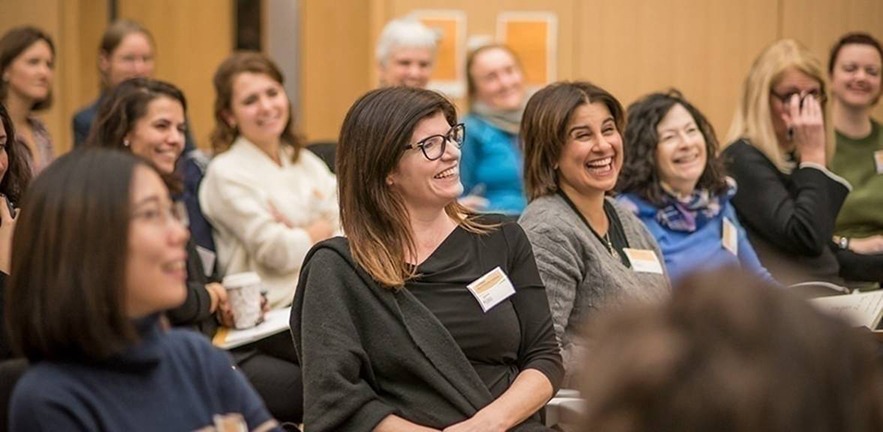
(208, 260)
(878, 161)
(730, 237)
(643, 260)
(491, 289)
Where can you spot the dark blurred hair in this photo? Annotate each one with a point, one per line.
(544, 129)
(372, 141)
(12, 44)
(120, 111)
(731, 353)
(67, 290)
(18, 173)
(254, 62)
(640, 172)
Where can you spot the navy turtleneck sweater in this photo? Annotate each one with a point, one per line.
(170, 381)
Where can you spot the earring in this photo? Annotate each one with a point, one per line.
(126, 142)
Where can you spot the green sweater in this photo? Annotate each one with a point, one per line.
(862, 213)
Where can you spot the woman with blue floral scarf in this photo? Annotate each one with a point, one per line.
(674, 183)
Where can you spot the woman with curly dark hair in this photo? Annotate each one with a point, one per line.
(673, 181)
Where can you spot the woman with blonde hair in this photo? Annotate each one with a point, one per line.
(780, 147)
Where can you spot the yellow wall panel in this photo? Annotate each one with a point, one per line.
(192, 38)
(704, 48)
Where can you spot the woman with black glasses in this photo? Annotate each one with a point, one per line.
(426, 316)
(780, 147)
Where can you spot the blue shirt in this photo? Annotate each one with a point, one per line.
(686, 252)
(491, 166)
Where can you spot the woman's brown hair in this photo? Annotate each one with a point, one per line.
(640, 172)
(66, 294)
(731, 353)
(372, 141)
(12, 44)
(18, 173)
(120, 111)
(544, 129)
(254, 62)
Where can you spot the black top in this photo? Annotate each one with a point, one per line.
(504, 340)
(368, 351)
(5, 350)
(789, 217)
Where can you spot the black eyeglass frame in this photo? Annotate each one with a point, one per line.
(448, 136)
(785, 99)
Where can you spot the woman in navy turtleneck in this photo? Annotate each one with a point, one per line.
(98, 255)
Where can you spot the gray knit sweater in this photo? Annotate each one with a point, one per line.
(580, 275)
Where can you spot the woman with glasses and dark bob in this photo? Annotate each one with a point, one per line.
(425, 317)
(674, 182)
(98, 255)
(780, 145)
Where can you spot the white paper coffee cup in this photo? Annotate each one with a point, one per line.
(244, 296)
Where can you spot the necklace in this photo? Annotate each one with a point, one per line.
(609, 245)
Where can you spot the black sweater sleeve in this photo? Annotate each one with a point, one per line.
(796, 212)
(5, 349)
(197, 305)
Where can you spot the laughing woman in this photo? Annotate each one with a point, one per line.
(855, 71)
(491, 163)
(675, 184)
(591, 253)
(98, 255)
(426, 316)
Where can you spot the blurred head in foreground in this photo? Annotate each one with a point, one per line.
(730, 353)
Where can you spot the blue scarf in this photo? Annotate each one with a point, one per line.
(690, 213)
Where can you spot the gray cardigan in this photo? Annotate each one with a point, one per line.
(580, 275)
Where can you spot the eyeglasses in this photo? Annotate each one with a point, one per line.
(786, 98)
(162, 216)
(433, 147)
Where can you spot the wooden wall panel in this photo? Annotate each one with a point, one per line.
(75, 27)
(818, 24)
(336, 53)
(192, 39)
(704, 48)
(482, 21)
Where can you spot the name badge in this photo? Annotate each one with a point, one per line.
(730, 237)
(878, 161)
(643, 260)
(491, 289)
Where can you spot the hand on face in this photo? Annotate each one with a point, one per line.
(807, 128)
